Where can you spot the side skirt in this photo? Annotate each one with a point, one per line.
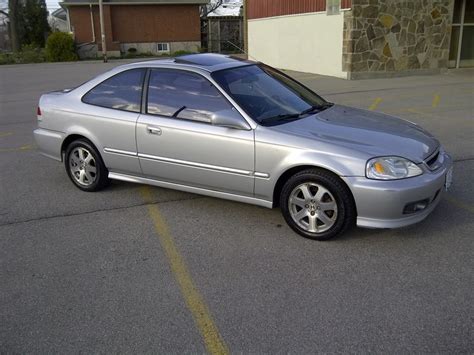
(191, 189)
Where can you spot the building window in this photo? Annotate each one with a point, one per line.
(163, 47)
(333, 7)
(461, 53)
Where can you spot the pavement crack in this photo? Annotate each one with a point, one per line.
(463, 160)
(144, 204)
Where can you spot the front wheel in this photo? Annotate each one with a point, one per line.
(317, 204)
(85, 167)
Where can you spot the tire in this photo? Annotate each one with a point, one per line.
(85, 166)
(317, 205)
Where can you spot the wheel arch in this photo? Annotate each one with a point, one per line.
(283, 178)
(73, 137)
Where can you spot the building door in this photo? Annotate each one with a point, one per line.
(461, 53)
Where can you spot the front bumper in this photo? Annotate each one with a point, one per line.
(381, 204)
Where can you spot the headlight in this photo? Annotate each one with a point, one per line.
(391, 168)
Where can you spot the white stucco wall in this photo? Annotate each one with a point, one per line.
(309, 43)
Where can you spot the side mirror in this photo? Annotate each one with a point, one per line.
(229, 118)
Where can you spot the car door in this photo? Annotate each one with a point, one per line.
(109, 113)
(177, 142)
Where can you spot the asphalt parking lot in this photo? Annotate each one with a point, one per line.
(143, 269)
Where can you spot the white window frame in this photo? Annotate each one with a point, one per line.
(333, 7)
(167, 50)
(461, 26)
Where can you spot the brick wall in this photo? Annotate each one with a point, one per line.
(155, 23)
(137, 23)
(270, 8)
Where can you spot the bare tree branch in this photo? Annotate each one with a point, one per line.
(207, 9)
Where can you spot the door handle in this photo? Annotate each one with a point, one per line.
(154, 130)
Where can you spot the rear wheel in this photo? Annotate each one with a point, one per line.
(317, 204)
(85, 167)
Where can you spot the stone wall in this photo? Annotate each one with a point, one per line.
(389, 37)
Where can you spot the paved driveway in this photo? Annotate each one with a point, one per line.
(135, 269)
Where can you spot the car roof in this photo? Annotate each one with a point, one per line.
(209, 62)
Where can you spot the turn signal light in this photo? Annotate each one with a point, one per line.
(379, 168)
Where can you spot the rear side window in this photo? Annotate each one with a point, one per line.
(185, 95)
(121, 92)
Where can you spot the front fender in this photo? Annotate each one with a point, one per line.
(275, 161)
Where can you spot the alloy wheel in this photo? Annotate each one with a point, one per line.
(83, 166)
(312, 207)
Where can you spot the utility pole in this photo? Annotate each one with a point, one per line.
(246, 28)
(102, 31)
(13, 17)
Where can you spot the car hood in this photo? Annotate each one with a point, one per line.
(374, 133)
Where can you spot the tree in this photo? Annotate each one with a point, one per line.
(207, 9)
(34, 23)
(28, 23)
(204, 11)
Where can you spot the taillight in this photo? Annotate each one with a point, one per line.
(38, 115)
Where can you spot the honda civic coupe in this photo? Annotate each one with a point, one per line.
(241, 130)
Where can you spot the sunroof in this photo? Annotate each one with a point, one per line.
(205, 59)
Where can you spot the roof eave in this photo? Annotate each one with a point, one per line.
(66, 3)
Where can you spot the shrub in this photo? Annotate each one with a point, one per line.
(31, 54)
(28, 54)
(137, 55)
(60, 47)
(7, 58)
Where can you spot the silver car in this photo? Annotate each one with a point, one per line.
(235, 129)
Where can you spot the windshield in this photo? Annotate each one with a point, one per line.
(267, 95)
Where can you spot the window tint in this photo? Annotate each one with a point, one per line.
(184, 95)
(265, 93)
(122, 91)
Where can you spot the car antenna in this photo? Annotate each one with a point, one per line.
(243, 51)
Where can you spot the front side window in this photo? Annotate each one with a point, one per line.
(267, 95)
(121, 92)
(185, 95)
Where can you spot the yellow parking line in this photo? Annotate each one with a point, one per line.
(23, 148)
(5, 134)
(436, 100)
(195, 302)
(376, 102)
(459, 203)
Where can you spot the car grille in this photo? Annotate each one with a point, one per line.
(433, 162)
